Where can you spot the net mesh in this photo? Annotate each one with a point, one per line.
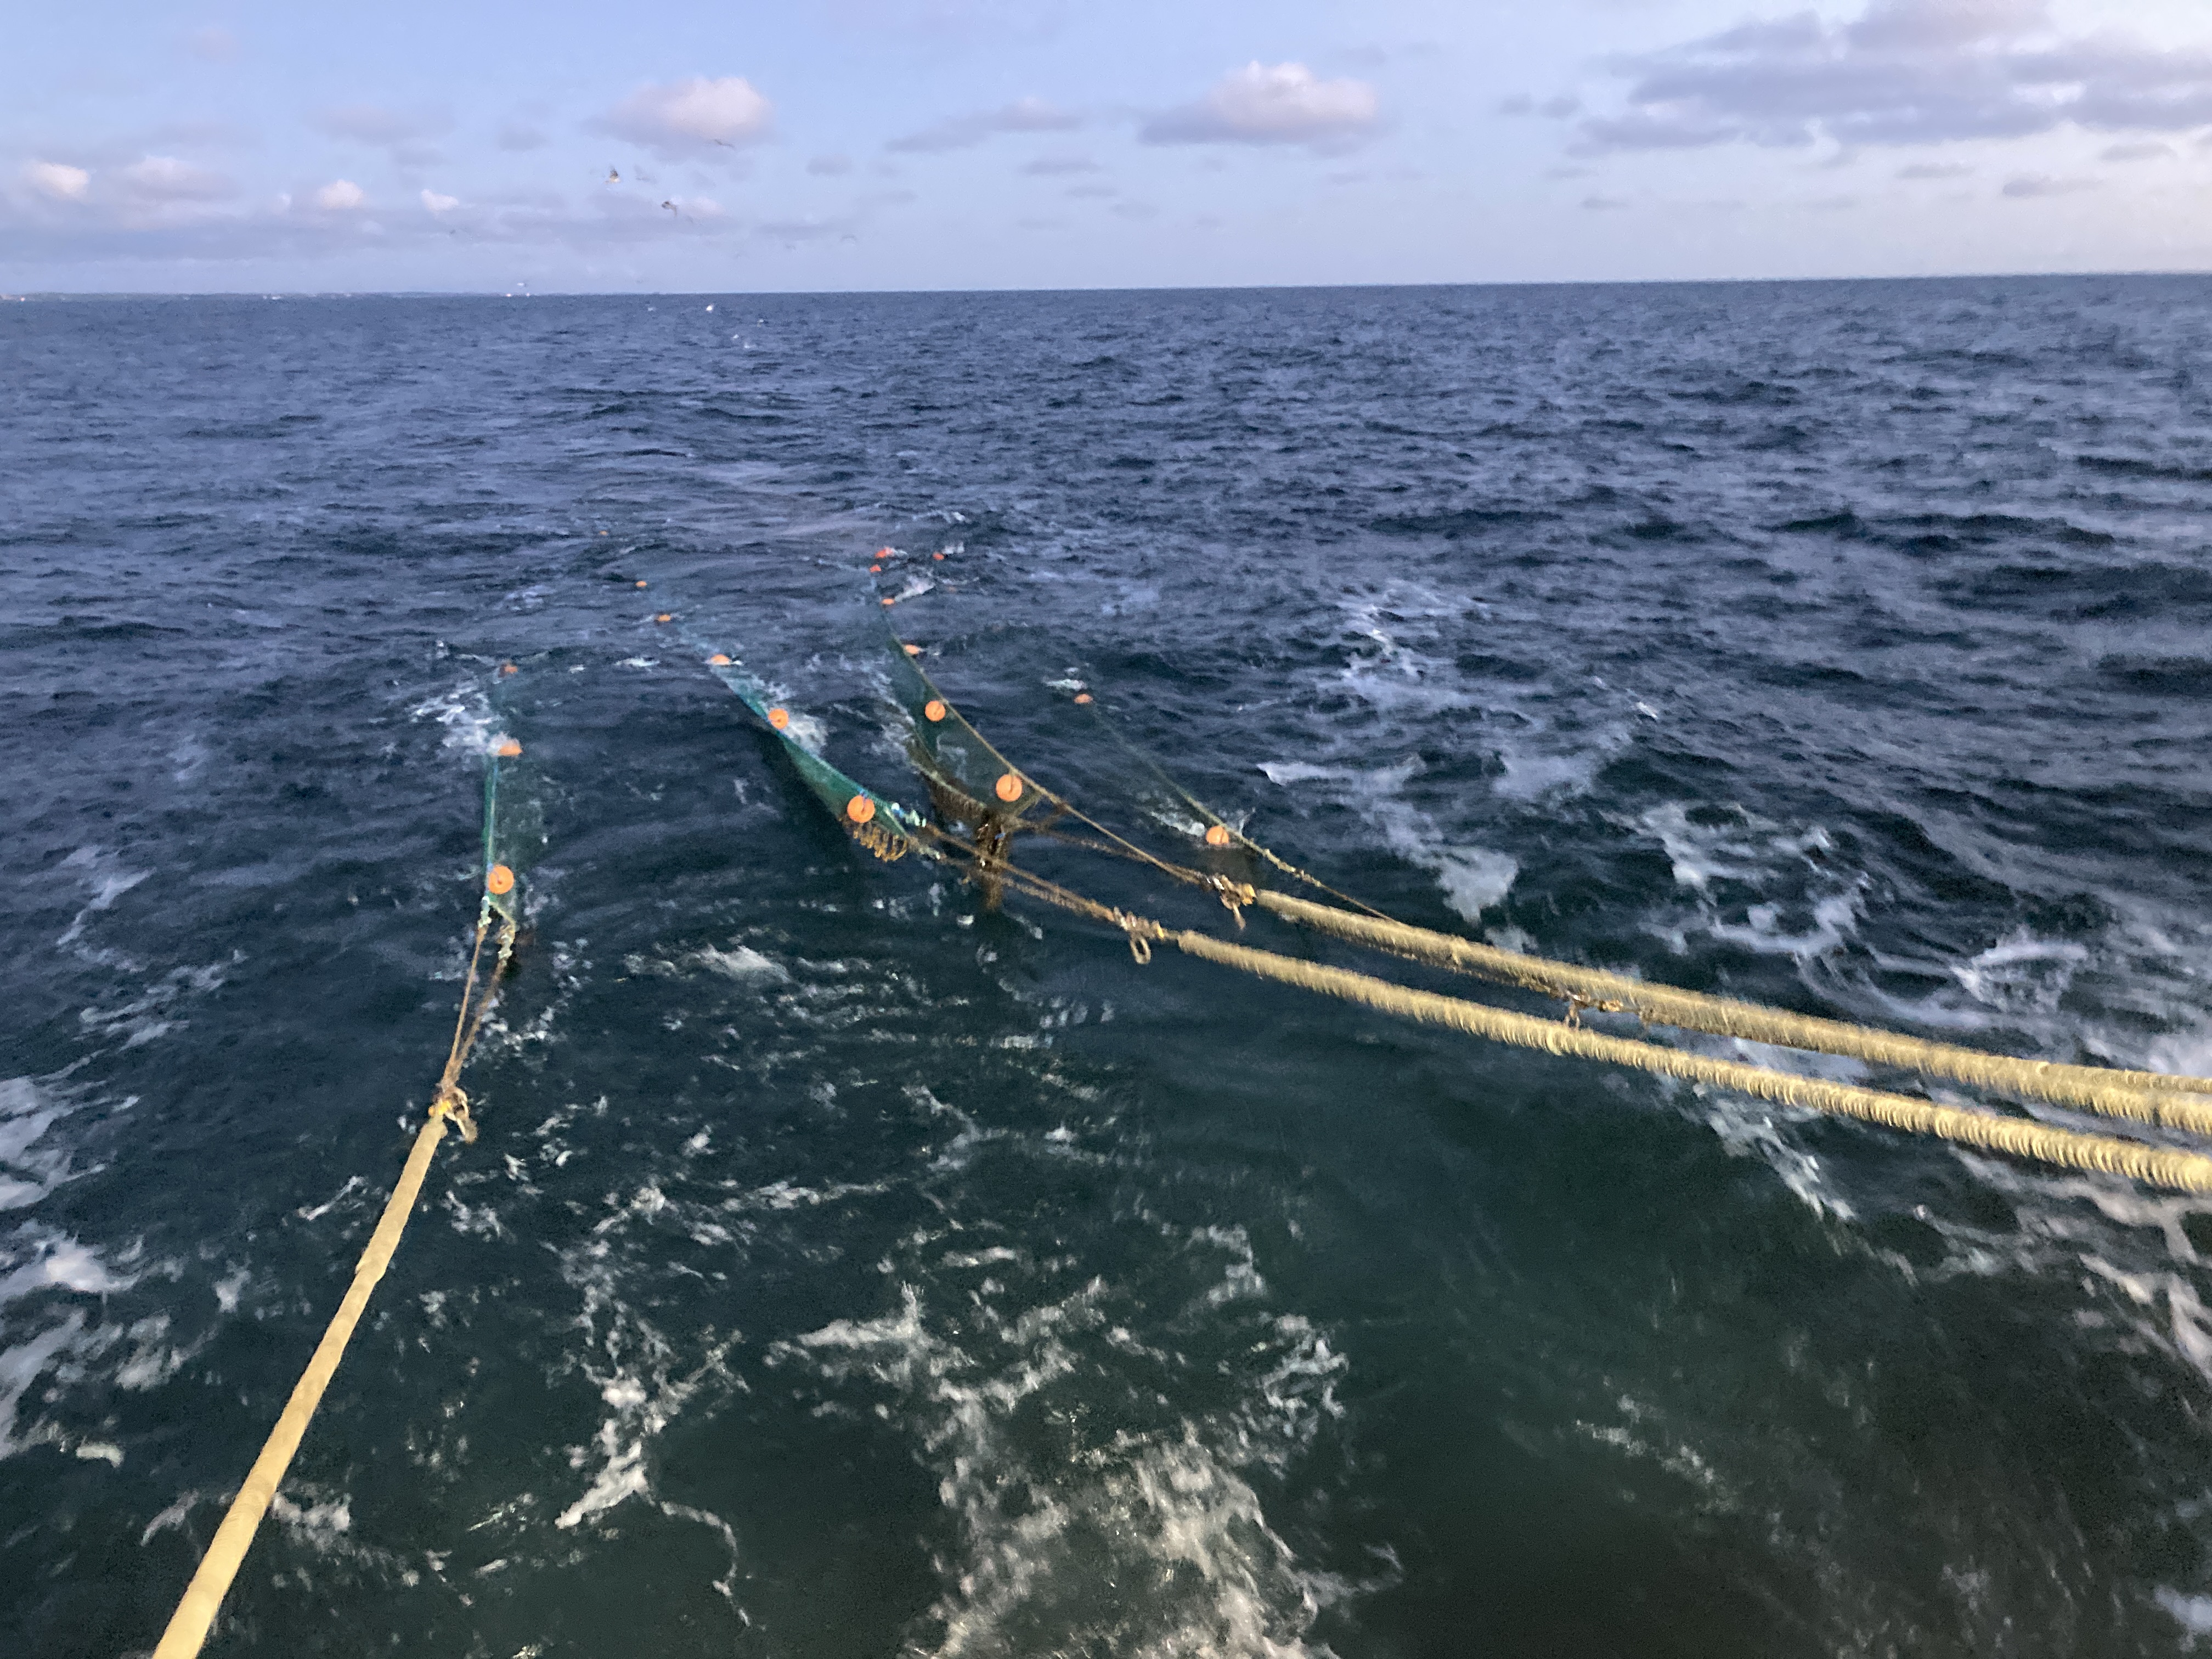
(882, 825)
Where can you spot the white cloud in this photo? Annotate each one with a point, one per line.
(692, 115)
(166, 179)
(962, 132)
(1270, 104)
(437, 204)
(1903, 72)
(340, 196)
(58, 180)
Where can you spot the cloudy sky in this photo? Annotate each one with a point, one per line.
(671, 144)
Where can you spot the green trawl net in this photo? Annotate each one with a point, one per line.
(879, 824)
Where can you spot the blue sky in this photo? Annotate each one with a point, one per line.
(669, 145)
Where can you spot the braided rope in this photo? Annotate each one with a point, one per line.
(2150, 1096)
(2182, 1171)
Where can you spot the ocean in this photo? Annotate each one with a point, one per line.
(848, 1268)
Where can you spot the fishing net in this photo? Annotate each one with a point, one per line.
(970, 782)
(878, 823)
(513, 823)
(982, 800)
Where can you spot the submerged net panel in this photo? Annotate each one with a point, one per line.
(952, 754)
(513, 825)
(882, 825)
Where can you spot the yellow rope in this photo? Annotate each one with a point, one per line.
(2188, 1172)
(2149, 1097)
(188, 1625)
(2182, 1171)
(2152, 1097)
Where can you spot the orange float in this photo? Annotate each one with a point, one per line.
(717, 660)
(499, 879)
(1217, 835)
(934, 709)
(890, 601)
(779, 718)
(665, 616)
(604, 532)
(860, 809)
(1009, 788)
(913, 650)
(507, 749)
(1083, 697)
(508, 668)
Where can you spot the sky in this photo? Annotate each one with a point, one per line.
(675, 146)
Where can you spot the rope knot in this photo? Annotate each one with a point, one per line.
(1234, 895)
(452, 1105)
(1140, 947)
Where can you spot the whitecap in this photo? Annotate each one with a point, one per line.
(2022, 973)
(1473, 878)
(108, 881)
(740, 963)
(464, 714)
(1163, 1521)
(2192, 1612)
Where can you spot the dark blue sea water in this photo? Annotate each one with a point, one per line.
(846, 1270)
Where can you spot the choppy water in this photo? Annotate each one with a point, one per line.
(842, 1272)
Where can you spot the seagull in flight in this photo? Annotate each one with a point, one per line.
(613, 178)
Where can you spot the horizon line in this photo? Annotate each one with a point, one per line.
(522, 291)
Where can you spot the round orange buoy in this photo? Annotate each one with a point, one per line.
(936, 556)
(875, 570)
(499, 879)
(1010, 787)
(604, 532)
(914, 650)
(888, 600)
(934, 709)
(717, 660)
(508, 668)
(884, 552)
(507, 749)
(779, 718)
(860, 809)
(1217, 835)
(665, 616)
(1083, 697)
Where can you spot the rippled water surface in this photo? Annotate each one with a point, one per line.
(846, 1270)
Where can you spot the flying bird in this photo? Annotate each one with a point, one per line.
(671, 206)
(613, 178)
